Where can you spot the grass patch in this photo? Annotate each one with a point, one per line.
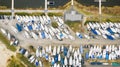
(55, 14)
(25, 60)
(13, 62)
(75, 26)
(5, 13)
(32, 49)
(7, 43)
(29, 14)
(54, 24)
(90, 21)
(45, 63)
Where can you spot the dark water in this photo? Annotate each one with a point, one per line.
(107, 3)
(40, 3)
(32, 3)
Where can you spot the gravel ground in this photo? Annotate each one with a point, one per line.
(24, 42)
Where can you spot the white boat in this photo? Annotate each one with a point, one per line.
(58, 65)
(40, 36)
(54, 50)
(104, 36)
(40, 62)
(34, 35)
(88, 27)
(58, 50)
(70, 61)
(71, 37)
(49, 48)
(86, 36)
(3, 31)
(98, 32)
(37, 53)
(8, 36)
(14, 29)
(26, 34)
(65, 61)
(59, 57)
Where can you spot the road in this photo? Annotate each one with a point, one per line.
(31, 11)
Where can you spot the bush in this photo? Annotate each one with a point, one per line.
(54, 24)
(32, 49)
(25, 60)
(13, 62)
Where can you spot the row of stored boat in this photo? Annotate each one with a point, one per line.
(10, 37)
(57, 56)
(110, 52)
(67, 56)
(107, 30)
(41, 27)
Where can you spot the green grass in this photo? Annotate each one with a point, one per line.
(24, 60)
(29, 14)
(54, 24)
(7, 43)
(55, 14)
(75, 26)
(13, 62)
(5, 13)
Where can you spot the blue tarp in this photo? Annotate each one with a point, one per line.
(43, 34)
(94, 31)
(19, 28)
(93, 56)
(96, 63)
(93, 63)
(81, 49)
(109, 30)
(22, 51)
(61, 35)
(80, 36)
(52, 63)
(100, 57)
(32, 21)
(37, 63)
(65, 51)
(30, 27)
(107, 57)
(62, 61)
(56, 58)
(46, 57)
(87, 56)
(109, 37)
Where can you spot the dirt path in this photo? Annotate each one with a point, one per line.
(5, 54)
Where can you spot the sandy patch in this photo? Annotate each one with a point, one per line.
(4, 55)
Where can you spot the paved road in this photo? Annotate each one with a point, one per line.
(30, 11)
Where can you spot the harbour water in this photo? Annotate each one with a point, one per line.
(57, 3)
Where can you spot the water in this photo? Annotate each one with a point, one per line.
(40, 3)
(32, 3)
(107, 3)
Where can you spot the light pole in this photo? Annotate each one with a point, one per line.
(72, 2)
(46, 7)
(100, 12)
(12, 9)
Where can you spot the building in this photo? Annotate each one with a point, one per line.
(72, 15)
